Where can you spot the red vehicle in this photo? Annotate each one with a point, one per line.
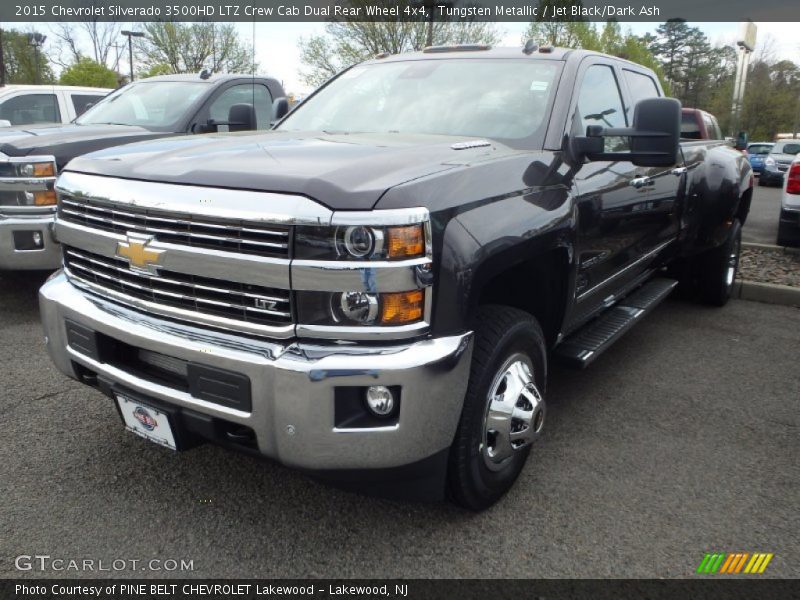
(698, 124)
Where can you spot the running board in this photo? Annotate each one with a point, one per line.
(585, 345)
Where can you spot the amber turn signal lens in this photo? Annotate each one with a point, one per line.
(47, 198)
(402, 308)
(405, 242)
(44, 170)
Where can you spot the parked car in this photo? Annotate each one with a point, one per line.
(777, 162)
(698, 124)
(370, 292)
(789, 224)
(34, 104)
(756, 153)
(31, 157)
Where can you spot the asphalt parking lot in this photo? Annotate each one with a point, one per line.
(681, 440)
(762, 222)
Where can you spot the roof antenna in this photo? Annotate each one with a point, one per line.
(530, 47)
(205, 74)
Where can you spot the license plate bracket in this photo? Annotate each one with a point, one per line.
(146, 421)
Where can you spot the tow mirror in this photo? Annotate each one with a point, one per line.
(280, 108)
(654, 137)
(241, 117)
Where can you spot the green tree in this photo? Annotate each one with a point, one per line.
(568, 33)
(89, 73)
(192, 47)
(21, 60)
(347, 42)
(609, 39)
(153, 71)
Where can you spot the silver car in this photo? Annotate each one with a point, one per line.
(789, 224)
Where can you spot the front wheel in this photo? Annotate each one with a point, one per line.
(504, 408)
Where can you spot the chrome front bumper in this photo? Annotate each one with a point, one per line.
(292, 384)
(12, 259)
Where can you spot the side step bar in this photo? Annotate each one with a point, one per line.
(585, 345)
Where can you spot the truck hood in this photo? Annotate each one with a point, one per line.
(341, 171)
(68, 141)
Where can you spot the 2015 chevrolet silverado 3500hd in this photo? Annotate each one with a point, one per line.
(371, 291)
(31, 157)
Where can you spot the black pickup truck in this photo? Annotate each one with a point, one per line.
(372, 291)
(31, 157)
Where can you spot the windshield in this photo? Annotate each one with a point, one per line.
(786, 148)
(155, 105)
(759, 148)
(496, 99)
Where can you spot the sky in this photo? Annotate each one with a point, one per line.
(278, 54)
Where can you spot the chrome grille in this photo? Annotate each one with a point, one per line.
(240, 301)
(188, 230)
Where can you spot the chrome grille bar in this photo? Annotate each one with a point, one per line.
(248, 303)
(234, 236)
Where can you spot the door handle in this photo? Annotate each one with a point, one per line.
(640, 182)
(679, 171)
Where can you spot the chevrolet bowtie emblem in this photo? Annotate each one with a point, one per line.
(138, 255)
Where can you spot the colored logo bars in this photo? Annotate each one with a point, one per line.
(720, 563)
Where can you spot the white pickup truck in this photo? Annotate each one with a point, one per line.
(30, 104)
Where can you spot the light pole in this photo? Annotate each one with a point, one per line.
(36, 40)
(131, 35)
(746, 44)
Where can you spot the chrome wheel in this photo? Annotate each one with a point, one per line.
(733, 263)
(514, 412)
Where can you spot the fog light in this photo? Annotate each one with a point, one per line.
(380, 400)
(37, 239)
(358, 307)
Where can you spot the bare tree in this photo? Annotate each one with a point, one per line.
(191, 47)
(94, 39)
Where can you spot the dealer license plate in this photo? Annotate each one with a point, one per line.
(146, 421)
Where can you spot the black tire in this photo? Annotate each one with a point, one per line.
(787, 235)
(717, 268)
(501, 334)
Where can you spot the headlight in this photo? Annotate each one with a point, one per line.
(354, 309)
(28, 182)
(769, 161)
(360, 242)
(363, 272)
(36, 169)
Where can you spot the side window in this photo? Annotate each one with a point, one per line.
(711, 127)
(690, 129)
(600, 103)
(640, 86)
(245, 93)
(27, 109)
(82, 101)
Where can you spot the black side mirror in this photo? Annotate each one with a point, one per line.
(280, 108)
(654, 137)
(241, 117)
(741, 141)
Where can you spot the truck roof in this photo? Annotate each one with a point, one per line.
(213, 78)
(15, 87)
(478, 51)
